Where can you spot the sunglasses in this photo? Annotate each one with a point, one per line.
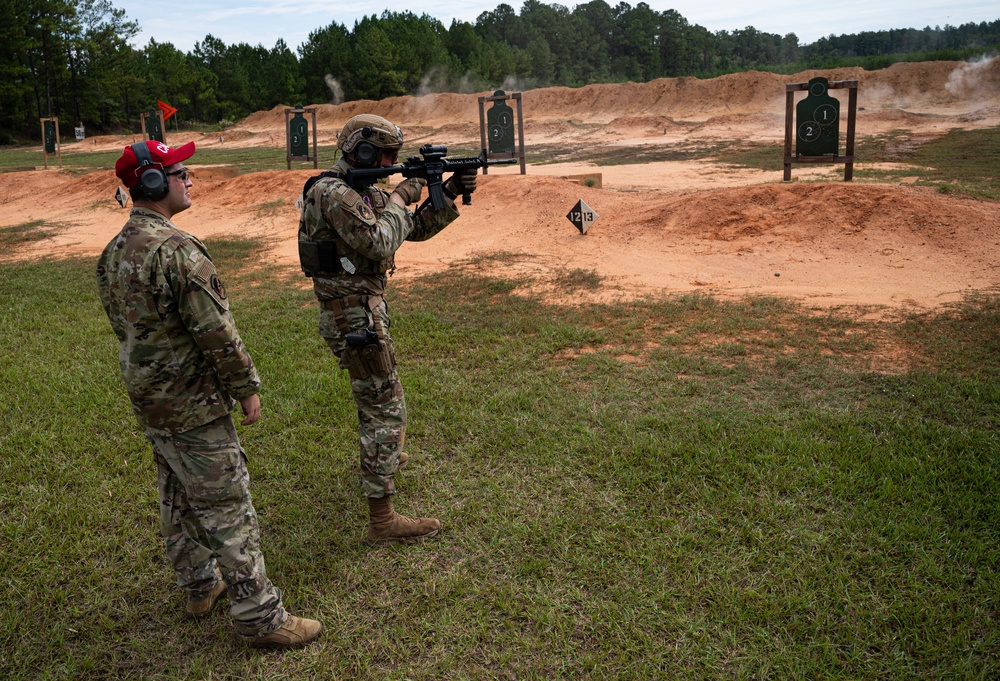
(183, 172)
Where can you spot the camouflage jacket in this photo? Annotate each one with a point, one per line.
(364, 230)
(181, 356)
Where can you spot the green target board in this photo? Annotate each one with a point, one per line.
(50, 136)
(500, 126)
(298, 135)
(154, 129)
(817, 119)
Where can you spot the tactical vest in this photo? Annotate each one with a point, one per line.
(322, 251)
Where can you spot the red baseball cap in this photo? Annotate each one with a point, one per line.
(127, 165)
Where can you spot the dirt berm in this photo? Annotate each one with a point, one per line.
(667, 226)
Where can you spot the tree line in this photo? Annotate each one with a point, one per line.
(74, 58)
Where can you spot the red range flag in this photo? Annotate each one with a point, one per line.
(167, 110)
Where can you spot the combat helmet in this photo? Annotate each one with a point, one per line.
(369, 128)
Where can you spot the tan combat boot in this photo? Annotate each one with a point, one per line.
(294, 633)
(199, 607)
(403, 458)
(386, 527)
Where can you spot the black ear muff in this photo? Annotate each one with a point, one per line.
(153, 184)
(367, 155)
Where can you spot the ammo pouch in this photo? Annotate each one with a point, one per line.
(319, 258)
(373, 357)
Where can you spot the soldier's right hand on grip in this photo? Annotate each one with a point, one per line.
(462, 182)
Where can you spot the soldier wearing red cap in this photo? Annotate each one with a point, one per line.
(185, 368)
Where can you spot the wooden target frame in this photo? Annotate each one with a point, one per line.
(144, 115)
(519, 154)
(310, 110)
(852, 106)
(58, 151)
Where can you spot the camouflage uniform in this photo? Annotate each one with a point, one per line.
(347, 244)
(184, 366)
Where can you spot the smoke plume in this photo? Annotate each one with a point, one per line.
(336, 89)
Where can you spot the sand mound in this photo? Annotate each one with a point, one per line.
(938, 85)
(643, 125)
(933, 95)
(664, 226)
(819, 214)
(827, 244)
(760, 122)
(988, 114)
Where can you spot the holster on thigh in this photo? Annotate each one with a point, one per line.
(368, 352)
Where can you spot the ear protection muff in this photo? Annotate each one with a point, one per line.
(153, 184)
(366, 154)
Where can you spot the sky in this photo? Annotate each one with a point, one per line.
(185, 22)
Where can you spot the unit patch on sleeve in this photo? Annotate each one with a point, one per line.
(205, 276)
(217, 286)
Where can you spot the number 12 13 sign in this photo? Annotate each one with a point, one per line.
(582, 216)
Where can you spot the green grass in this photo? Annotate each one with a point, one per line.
(605, 155)
(754, 155)
(247, 159)
(271, 208)
(577, 278)
(967, 161)
(679, 487)
(27, 232)
(964, 162)
(895, 146)
(28, 158)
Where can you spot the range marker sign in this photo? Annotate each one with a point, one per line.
(582, 216)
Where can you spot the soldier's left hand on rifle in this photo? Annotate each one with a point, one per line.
(408, 191)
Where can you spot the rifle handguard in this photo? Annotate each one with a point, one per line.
(431, 167)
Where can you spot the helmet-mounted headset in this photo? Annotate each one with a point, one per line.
(365, 134)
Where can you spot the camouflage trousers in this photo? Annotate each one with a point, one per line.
(207, 520)
(375, 385)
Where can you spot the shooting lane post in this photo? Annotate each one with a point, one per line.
(500, 118)
(817, 135)
(297, 136)
(50, 140)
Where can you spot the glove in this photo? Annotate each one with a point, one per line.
(461, 182)
(409, 190)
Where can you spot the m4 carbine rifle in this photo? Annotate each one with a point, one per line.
(431, 167)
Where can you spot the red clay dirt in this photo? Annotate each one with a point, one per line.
(664, 227)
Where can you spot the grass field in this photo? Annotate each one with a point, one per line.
(247, 159)
(961, 161)
(677, 488)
